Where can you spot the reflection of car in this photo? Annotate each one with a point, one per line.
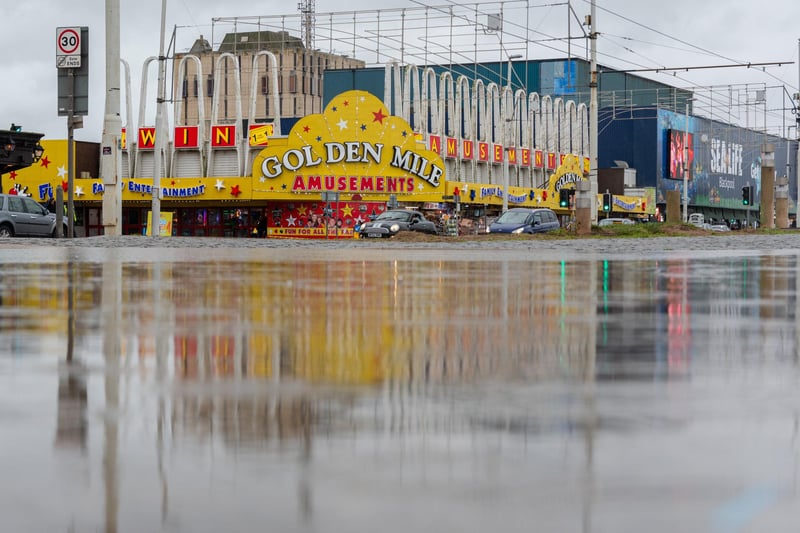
(23, 216)
(614, 221)
(525, 220)
(719, 227)
(390, 223)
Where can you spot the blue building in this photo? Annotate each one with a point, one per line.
(650, 126)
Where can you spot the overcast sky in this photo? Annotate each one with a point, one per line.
(634, 34)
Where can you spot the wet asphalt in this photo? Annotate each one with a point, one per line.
(735, 241)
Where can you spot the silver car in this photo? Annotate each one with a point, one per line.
(23, 216)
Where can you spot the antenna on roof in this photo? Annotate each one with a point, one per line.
(308, 11)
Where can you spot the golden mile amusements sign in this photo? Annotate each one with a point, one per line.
(353, 147)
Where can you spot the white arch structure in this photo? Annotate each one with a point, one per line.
(438, 105)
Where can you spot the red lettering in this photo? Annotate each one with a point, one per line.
(299, 184)
(353, 183)
(342, 183)
(483, 151)
(315, 182)
(366, 183)
(380, 183)
(498, 153)
(436, 144)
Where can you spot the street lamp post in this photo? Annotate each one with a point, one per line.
(507, 134)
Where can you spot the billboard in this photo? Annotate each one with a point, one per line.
(681, 155)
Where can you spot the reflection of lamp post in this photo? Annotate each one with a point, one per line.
(507, 135)
(686, 167)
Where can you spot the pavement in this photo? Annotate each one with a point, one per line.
(730, 242)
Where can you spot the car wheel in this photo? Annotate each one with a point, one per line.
(6, 231)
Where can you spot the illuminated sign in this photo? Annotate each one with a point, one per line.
(355, 146)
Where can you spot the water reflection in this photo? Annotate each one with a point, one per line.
(193, 382)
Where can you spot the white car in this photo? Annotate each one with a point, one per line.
(719, 227)
(614, 221)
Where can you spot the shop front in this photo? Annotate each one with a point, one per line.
(332, 172)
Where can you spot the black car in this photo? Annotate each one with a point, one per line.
(390, 223)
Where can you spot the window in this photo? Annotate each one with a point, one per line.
(32, 207)
(185, 88)
(264, 85)
(15, 204)
(210, 85)
(293, 82)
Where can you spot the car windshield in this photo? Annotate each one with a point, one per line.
(394, 215)
(513, 217)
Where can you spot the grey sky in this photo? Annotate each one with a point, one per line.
(634, 34)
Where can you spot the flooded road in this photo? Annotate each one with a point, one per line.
(366, 389)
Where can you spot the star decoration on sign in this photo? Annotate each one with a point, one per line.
(219, 185)
(379, 116)
(342, 124)
(363, 127)
(262, 179)
(78, 191)
(346, 103)
(291, 221)
(306, 129)
(62, 171)
(65, 186)
(347, 210)
(235, 192)
(302, 210)
(13, 175)
(44, 162)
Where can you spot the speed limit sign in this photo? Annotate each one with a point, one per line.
(68, 47)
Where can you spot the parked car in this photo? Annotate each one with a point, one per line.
(613, 221)
(23, 216)
(391, 222)
(525, 220)
(719, 227)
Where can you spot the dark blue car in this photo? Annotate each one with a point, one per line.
(525, 220)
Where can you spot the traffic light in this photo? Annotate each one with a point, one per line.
(607, 198)
(747, 195)
(563, 198)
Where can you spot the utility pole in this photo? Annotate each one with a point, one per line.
(112, 127)
(155, 215)
(507, 133)
(593, 109)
